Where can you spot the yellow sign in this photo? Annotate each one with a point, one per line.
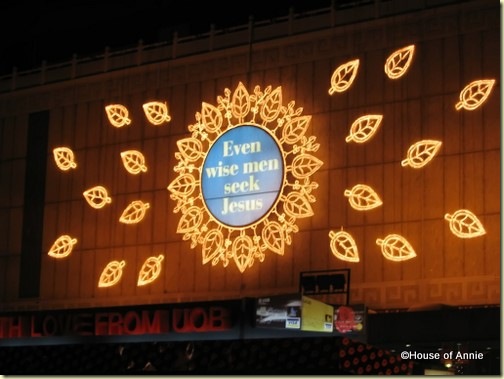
(316, 316)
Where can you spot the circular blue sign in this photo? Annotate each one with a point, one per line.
(242, 175)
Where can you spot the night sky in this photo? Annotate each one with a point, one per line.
(55, 30)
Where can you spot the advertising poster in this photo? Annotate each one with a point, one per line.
(279, 312)
(316, 316)
(350, 320)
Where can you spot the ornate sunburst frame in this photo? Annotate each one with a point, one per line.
(285, 124)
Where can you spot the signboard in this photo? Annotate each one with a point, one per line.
(167, 322)
(350, 320)
(282, 312)
(242, 175)
(316, 316)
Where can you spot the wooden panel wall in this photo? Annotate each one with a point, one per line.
(452, 49)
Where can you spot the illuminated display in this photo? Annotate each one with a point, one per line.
(150, 270)
(97, 197)
(343, 246)
(156, 112)
(133, 161)
(62, 247)
(111, 274)
(118, 115)
(474, 94)
(134, 212)
(362, 197)
(364, 128)
(343, 77)
(64, 158)
(421, 153)
(242, 175)
(238, 197)
(396, 248)
(465, 224)
(399, 61)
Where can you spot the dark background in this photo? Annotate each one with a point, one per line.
(55, 30)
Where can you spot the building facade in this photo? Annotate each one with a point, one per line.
(386, 121)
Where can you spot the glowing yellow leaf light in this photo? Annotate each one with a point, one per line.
(399, 61)
(474, 94)
(421, 153)
(133, 161)
(364, 128)
(117, 115)
(362, 197)
(150, 270)
(396, 248)
(97, 197)
(134, 212)
(156, 112)
(465, 224)
(64, 158)
(343, 77)
(111, 274)
(62, 247)
(281, 125)
(343, 246)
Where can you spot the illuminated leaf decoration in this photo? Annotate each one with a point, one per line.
(421, 153)
(272, 230)
(156, 112)
(272, 105)
(295, 129)
(272, 236)
(296, 205)
(364, 128)
(211, 117)
(62, 247)
(97, 197)
(343, 246)
(111, 274)
(243, 249)
(399, 61)
(305, 165)
(362, 197)
(474, 94)
(117, 115)
(190, 148)
(134, 212)
(343, 77)
(150, 270)
(133, 161)
(241, 102)
(465, 224)
(190, 220)
(396, 248)
(64, 158)
(212, 246)
(183, 185)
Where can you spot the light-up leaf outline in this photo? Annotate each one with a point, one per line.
(421, 153)
(156, 112)
(343, 246)
(396, 248)
(62, 247)
(465, 224)
(64, 158)
(118, 115)
(344, 76)
(97, 197)
(399, 61)
(475, 94)
(362, 197)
